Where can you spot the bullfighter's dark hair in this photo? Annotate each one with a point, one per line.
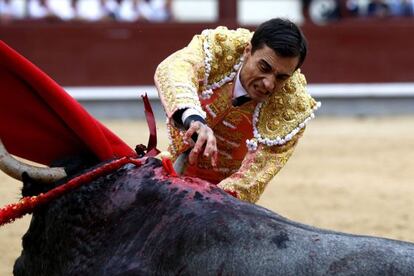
(283, 37)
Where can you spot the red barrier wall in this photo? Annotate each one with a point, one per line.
(361, 51)
(82, 54)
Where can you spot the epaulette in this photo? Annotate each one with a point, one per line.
(278, 119)
(223, 50)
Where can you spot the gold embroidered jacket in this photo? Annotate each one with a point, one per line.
(254, 141)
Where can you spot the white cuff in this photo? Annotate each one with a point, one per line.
(190, 112)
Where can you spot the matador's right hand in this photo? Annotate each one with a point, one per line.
(206, 142)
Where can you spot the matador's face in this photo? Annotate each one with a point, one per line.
(264, 72)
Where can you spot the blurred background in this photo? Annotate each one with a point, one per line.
(360, 53)
(352, 170)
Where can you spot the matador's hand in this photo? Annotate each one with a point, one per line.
(206, 142)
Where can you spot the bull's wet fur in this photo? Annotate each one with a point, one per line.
(138, 221)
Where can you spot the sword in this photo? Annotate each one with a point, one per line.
(181, 162)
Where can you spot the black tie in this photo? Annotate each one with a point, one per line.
(240, 100)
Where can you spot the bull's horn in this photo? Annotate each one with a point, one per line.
(15, 168)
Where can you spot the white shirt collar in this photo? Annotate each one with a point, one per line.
(238, 91)
(238, 87)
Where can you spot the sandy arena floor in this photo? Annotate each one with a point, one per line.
(350, 174)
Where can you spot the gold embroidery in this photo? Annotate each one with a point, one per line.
(227, 46)
(257, 169)
(177, 144)
(284, 111)
(174, 71)
(220, 37)
(218, 52)
(226, 133)
(222, 102)
(273, 124)
(237, 115)
(289, 115)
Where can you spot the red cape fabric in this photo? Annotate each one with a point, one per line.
(39, 121)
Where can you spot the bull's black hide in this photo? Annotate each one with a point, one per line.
(138, 222)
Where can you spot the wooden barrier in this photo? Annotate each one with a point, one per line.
(105, 53)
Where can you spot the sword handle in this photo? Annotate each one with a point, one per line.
(181, 161)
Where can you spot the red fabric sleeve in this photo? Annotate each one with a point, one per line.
(39, 121)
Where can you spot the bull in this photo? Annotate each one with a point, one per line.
(139, 220)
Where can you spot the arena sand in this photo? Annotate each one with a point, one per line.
(348, 174)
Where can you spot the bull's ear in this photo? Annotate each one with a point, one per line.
(75, 164)
(31, 187)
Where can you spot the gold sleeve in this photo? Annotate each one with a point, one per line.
(258, 168)
(194, 71)
(177, 78)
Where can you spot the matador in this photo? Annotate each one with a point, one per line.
(254, 139)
